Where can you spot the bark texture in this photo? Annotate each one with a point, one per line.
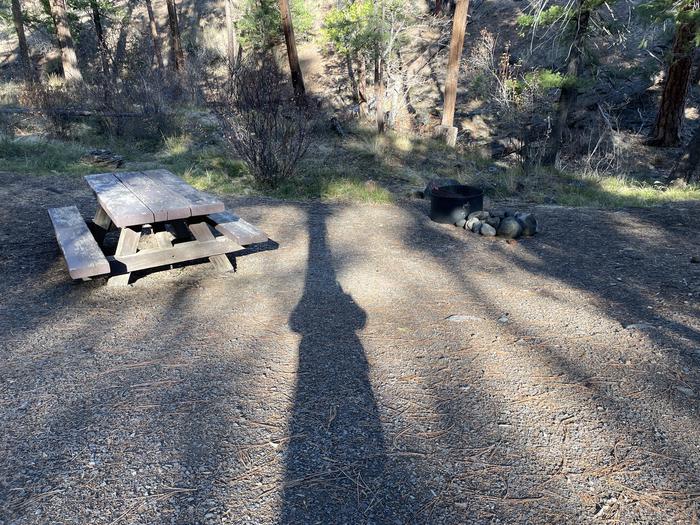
(669, 119)
(178, 55)
(232, 47)
(569, 90)
(155, 37)
(295, 68)
(459, 26)
(25, 60)
(69, 60)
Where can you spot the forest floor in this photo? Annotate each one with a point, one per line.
(370, 367)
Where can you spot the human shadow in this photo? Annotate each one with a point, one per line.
(336, 461)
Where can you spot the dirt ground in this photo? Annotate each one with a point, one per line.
(326, 381)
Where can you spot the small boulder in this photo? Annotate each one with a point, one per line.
(510, 228)
(529, 223)
(500, 213)
(695, 259)
(461, 223)
(481, 215)
(487, 230)
(494, 221)
(473, 224)
(458, 214)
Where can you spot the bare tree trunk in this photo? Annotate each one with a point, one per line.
(687, 166)
(155, 37)
(569, 89)
(69, 60)
(379, 91)
(295, 68)
(362, 86)
(178, 55)
(231, 37)
(18, 19)
(102, 50)
(669, 119)
(438, 7)
(459, 25)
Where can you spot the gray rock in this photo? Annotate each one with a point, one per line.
(510, 228)
(438, 183)
(695, 259)
(529, 223)
(458, 214)
(481, 215)
(487, 230)
(640, 326)
(461, 223)
(459, 318)
(472, 224)
(509, 213)
(500, 213)
(494, 221)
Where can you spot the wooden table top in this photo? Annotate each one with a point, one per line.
(144, 197)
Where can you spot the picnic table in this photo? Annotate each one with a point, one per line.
(185, 223)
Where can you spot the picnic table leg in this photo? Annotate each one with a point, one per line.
(100, 225)
(128, 244)
(202, 232)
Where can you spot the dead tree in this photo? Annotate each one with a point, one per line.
(569, 88)
(69, 60)
(155, 37)
(459, 26)
(295, 68)
(669, 119)
(178, 55)
(26, 62)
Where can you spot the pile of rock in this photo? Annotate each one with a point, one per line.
(103, 158)
(504, 223)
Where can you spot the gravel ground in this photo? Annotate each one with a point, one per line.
(328, 381)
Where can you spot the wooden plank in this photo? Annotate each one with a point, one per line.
(165, 203)
(200, 203)
(236, 229)
(122, 206)
(127, 245)
(201, 232)
(186, 251)
(80, 249)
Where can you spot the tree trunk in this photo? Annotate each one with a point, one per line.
(295, 68)
(178, 55)
(231, 37)
(26, 62)
(379, 92)
(690, 159)
(155, 37)
(459, 25)
(669, 119)
(102, 50)
(569, 89)
(438, 7)
(69, 60)
(362, 86)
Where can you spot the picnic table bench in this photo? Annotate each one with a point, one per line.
(187, 224)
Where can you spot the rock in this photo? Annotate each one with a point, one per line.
(438, 183)
(504, 318)
(510, 228)
(472, 224)
(695, 259)
(685, 390)
(459, 318)
(494, 221)
(529, 223)
(509, 213)
(487, 230)
(481, 215)
(499, 213)
(461, 223)
(458, 214)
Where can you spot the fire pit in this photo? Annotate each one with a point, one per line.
(449, 204)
